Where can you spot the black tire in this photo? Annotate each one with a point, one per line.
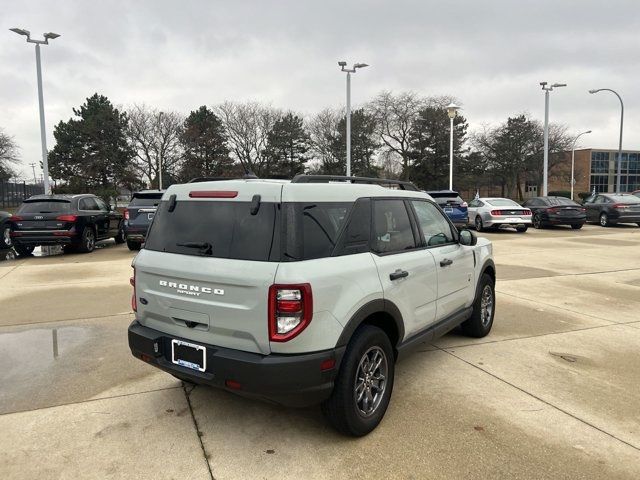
(87, 240)
(639, 224)
(481, 320)
(5, 236)
(537, 222)
(604, 220)
(120, 238)
(522, 229)
(478, 224)
(341, 409)
(577, 227)
(23, 250)
(133, 246)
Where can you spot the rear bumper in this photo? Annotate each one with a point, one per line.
(42, 238)
(560, 220)
(504, 221)
(135, 234)
(290, 380)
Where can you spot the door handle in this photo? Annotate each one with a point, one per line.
(446, 262)
(398, 274)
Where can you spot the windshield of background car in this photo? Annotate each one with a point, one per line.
(503, 202)
(562, 201)
(146, 200)
(442, 198)
(45, 206)
(624, 198)
(224, 229)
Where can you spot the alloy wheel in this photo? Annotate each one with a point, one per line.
(371, 381)
(604, 221)
(90, 240)
(6, 236)
(486, 305)
(478, 224)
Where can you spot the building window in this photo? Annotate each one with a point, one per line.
(599, 162)
(600, 183)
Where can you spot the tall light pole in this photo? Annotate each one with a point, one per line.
(160, 154)
(573, 162)
(342, 65)
(545, 165)
(43, 133)
(452, 111)
(621, 123)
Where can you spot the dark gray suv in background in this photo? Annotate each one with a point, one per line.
(138, 216)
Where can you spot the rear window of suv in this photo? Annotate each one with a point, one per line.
(46, 206)
(227, 227)
(146, 200)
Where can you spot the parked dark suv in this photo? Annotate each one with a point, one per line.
(76, 222)
(454, 207)
(138, 216)
(555, 211)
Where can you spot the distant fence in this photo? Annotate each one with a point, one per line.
(12, 194)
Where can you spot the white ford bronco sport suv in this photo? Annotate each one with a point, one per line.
(305, 291)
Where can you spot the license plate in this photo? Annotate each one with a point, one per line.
(189, 355)
(150, 216)
(448, 210)
(514, 220)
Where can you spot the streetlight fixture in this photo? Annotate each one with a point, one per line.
(43, 133)
(573, 156)
(621, 123)
(452, 111)
(343, 65)
(545, 166)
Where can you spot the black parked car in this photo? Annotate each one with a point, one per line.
(5, 230)
(74, 221)
(611, 208)
(555, 211)
(138, 216)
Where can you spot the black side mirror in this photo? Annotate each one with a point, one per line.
(468, 238)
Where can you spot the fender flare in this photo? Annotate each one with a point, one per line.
(364, 312)
(489, 263)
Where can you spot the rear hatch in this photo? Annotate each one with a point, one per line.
(451, 203)
(43, 216)
(208, 263)
(141, 210)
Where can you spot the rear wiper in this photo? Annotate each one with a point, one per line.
(205, 247)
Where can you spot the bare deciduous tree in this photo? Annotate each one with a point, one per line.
(395, 116)
(155, 137)
(323, 131)
(8, 155)
(248, 125)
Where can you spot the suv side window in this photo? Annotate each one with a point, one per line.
(435, 227)
(392, 227)
(101, 205)
(88, 204)
(355, 236)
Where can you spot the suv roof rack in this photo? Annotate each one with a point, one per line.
(403, 185)
(247, 176)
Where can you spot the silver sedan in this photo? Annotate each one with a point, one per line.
(487, 213)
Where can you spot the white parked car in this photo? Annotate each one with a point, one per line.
(487, 213)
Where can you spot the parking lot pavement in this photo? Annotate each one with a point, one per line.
(552, 392)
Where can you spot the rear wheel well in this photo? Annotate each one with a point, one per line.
(385, 322)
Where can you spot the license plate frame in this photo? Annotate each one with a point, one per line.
(514, 220)
(201, 367)
(448, 209)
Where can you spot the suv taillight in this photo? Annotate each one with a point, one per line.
(290, 310)
(126, 214)
(134, 300)
(15, 218)
(67, 218)
(464, 205)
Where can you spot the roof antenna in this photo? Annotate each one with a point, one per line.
(249, 175)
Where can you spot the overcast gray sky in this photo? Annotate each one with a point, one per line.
(180, 55)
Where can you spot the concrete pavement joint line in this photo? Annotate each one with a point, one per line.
(88, 400)
(566, 274)
(195, 425)
(9, 271)
(541, 400)
(64, 320)
(559, 308)
(612, 324)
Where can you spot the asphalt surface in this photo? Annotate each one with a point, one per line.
(553, 392)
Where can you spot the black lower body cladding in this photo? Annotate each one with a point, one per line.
(290, 380)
